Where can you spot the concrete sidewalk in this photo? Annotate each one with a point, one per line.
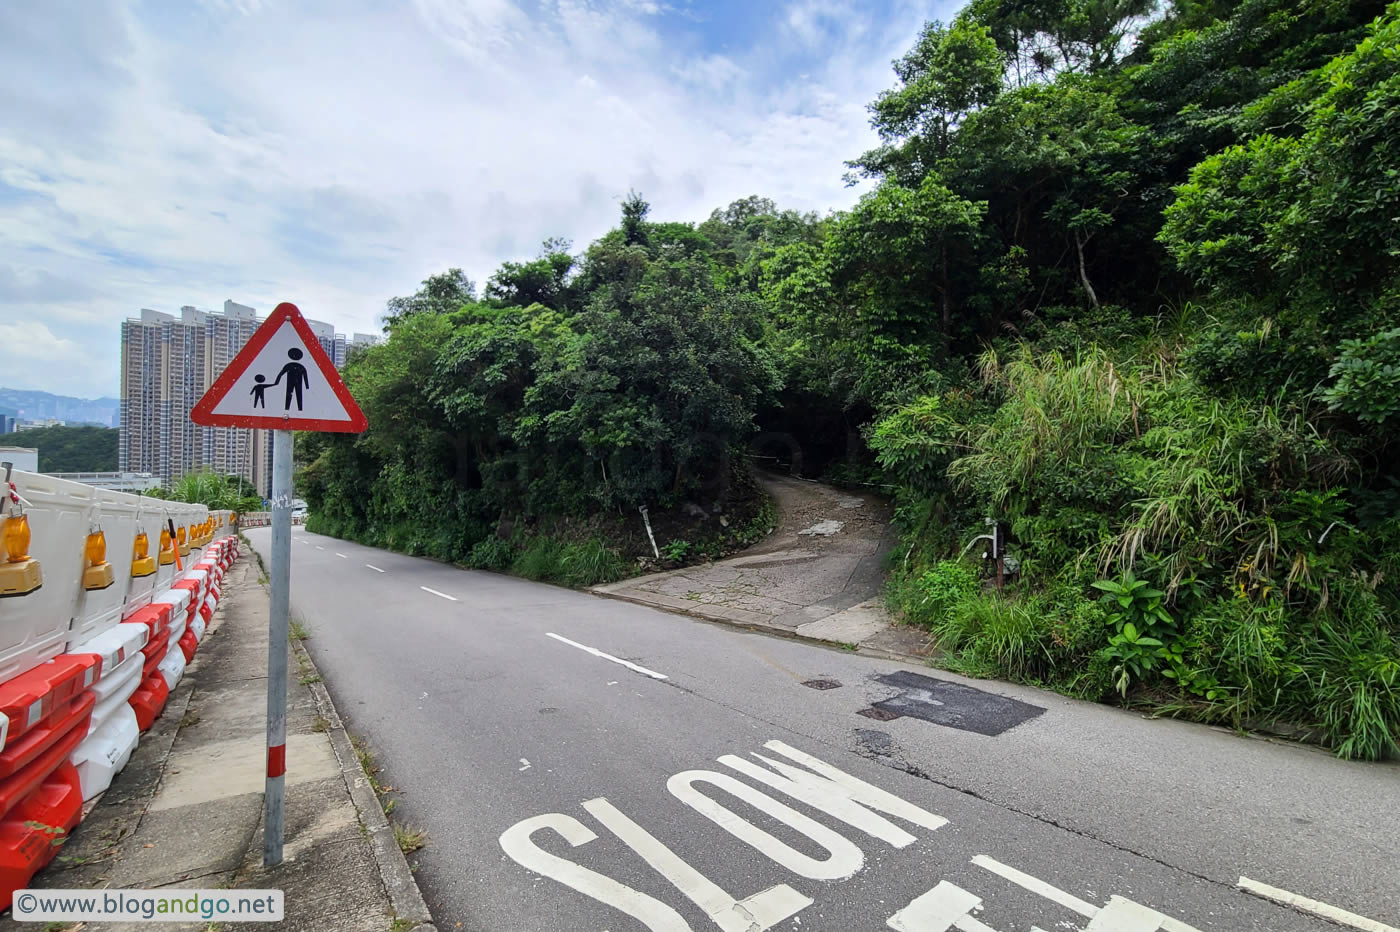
(819, 575)
(187, 811)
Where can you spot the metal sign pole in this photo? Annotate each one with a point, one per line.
(280, 579)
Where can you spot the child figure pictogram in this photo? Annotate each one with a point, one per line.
(259, 391)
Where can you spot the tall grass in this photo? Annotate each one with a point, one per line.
(1006, 633)
(212, 490)
(1105, 466)
(570, 563)
(1056, 409)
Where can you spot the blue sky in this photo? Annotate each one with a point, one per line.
(335, 152)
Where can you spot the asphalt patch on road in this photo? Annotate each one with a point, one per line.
(952, 704)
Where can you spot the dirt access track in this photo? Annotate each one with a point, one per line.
(819, 575)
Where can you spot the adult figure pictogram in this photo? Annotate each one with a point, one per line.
(297, 379)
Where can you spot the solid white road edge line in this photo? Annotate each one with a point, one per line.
(597, 653)
(373, 567)
(441, 595)
(1316, 907)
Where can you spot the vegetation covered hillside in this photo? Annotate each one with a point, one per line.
(69, 449)
(1127, 282)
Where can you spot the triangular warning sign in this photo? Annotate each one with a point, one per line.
(281, 380)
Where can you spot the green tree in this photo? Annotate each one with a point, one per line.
(950, 72)
(544, 280)
(214, 491)
(439, 294)
(69, 449)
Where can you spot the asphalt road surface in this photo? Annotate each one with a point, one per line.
(586, 764)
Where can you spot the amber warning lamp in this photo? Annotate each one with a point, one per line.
(99, 573)
(20, 573)
(142, 564)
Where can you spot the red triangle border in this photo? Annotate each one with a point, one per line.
(203, 411)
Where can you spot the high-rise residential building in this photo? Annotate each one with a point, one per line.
(336, 345)
(168, 363)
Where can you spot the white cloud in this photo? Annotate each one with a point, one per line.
(334, 154)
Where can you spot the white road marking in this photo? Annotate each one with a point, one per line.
(597, 653)
(1122, 915)
(612, 682)
(517, 842)
(441, 595)
(843, 858)
(373, 567)
(1038, 887)
(524, 765)
(836, 793)
(341, 555)
(944, 907)
(319, 547)
(1316, 907)
(753, 914)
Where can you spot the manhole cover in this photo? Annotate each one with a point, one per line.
(822, 684)
(953, 704)
(880, 715)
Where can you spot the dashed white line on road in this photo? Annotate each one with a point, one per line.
(597, 653)
(373, 567)
(341, 555)
(1316, 907)
(440, 595)
(319, 547)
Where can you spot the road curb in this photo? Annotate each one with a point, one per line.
(757, 627)
(405, 899)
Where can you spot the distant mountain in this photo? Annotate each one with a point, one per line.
(38, 406)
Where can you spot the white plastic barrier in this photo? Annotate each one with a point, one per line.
(173, 666)
(104, 752)
(161, 514)
(34, 626)
(113, 515)
(114, 646)
(150, 518)
(68, 589)
(113, 690)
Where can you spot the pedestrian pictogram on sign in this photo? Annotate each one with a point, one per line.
(282, 380)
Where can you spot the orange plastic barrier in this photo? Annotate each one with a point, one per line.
(32, 831)
(31, 697)
(22, 752)
(149, 698)
(156, 617)
(14, 788)
(188, 644)
(155, 650)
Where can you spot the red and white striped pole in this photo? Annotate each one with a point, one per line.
(280, 584)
